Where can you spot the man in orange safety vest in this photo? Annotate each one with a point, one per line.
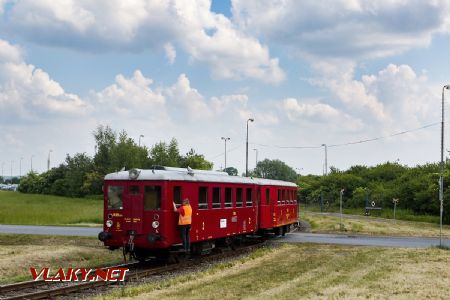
(184, 222)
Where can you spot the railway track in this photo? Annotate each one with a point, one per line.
(47, 290)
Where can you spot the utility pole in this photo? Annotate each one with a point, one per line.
(441, 177)
(341, 224)
(246, 148)
(326, 158)
(225, 139)
(48, 159)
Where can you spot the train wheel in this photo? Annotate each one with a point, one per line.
(140, 254)
(278, 231)
(283, 230)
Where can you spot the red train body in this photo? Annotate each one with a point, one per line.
(139, 216)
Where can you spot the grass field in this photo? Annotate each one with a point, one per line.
(387, 213)
(31, 209)
(311, 272)
(20, 252)
(372, 226)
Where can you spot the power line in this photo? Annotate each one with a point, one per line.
(349, 143)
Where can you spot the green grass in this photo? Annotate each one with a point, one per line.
(36, 209)
(310, 271)
(387, 213)
(20, 252)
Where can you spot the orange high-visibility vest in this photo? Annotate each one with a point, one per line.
(187, 218)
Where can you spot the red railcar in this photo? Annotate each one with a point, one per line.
(139, 216)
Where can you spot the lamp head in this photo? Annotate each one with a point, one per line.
(447, 86)
(251, 119)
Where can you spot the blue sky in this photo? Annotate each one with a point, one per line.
(309, 72)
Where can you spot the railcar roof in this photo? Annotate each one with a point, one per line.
(181, 174)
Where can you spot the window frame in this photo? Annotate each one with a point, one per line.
(228, 192)
(214, 204)
(158, 188)
(247, 202)
(201, 205)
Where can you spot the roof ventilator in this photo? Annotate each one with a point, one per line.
(190, 171)
(134, 173)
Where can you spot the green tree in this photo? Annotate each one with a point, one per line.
(232, 171)
(195, 161)
(274, 169)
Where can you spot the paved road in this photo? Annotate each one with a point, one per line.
(296, 237)
(50, 230)
(405, 242)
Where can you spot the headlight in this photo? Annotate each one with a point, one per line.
(109, 223)
(155, 224)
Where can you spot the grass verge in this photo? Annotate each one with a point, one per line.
(386, 213)
(373, 226)
(20, 252)
(311, 272)
(36, 209)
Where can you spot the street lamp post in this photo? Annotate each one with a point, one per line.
(441, 177)
(256, 160)
(20, 167)
(246, 148)
(341, 193)
(225, 139)
(48, 159)
(326, 159)
(141, 136)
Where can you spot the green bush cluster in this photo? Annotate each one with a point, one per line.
(416, 188)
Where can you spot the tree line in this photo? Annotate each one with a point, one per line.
(416, 187)
(82, 175)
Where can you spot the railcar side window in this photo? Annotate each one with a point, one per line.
(115, 193)
(279, 197)
(177, 195)
(248, 199)
(133, 190)
(283, 197)
(152, 197)
(228, 197)
(216, 198)
(267, 196)
(239, 197)
(202, 197)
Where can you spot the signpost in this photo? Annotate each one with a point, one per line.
(395, 201)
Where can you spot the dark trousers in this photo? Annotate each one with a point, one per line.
(184, 229)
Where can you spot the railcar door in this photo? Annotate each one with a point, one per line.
(133, 206)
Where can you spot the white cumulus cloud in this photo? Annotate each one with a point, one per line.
(115, 25)
(28, 93)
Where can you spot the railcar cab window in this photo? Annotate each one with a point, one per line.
(267, 196)
(152, 197)
(133, 190)
(228, 197)
(216, 198)
(177, 195)
(248, 199)
(202, 197)
(239, 202)
(115, 193)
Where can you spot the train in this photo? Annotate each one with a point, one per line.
(139, 216)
